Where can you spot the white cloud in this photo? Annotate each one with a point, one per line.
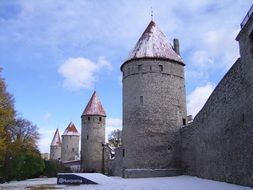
(201, 59)
(220, 43)
(114, 122)
(196, 75)
(111, 125)
(81, 72)
(47, 116)
(46, 137)
(198, 97)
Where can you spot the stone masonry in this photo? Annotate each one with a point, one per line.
(219, 143)
(153, 108)
(70, 144)
(93, 136)
(55, 147)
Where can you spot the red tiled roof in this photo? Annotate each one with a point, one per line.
(71, 130)
(153, 44)
(57, 139)
(94, 106)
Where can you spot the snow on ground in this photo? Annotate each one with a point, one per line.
(117, 183)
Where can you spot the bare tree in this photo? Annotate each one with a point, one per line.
(25, 133)
(115, 138)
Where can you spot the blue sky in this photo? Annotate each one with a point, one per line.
(55, 53)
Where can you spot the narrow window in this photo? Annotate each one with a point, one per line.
(184, 121)
(73, 149)
(88, 118)
(150, 68)
(141, 100)
(243, 117)
(161, 68)
(87, 137)
(251, 43)
(123, 152)
(139, 68)
(100, 118)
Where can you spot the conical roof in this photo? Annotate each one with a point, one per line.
(71, 130)
(94, 106)
(154, 44)
(57, 139)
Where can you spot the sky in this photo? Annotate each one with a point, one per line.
(54, 54)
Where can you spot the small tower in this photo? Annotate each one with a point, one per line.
(93, 136)
(55, 147)
(154, 106)
(70, 143)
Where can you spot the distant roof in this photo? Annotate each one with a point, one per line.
(153, 44)
(57, 139)
(71, 130)
(94, 106)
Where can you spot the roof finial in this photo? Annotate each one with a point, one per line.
(151, 9)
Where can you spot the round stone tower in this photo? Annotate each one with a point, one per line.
(55, 147)
(154, 106)
(93, 136)
(70, 143)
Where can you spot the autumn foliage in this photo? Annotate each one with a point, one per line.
(19, 154)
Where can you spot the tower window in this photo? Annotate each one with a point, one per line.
(161, 68)
(139, 68)
(251, 43)
(73, 149)
(150, 68)
(243, 117)
(88, 118)
(184, 121)
(123, 152)
(141, 100)
(100, 118)
(87, 137)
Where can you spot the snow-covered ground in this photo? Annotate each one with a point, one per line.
(117, 183)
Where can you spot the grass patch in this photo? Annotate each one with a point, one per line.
(42, 187)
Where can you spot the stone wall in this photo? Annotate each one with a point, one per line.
(153, 111)
(115, 164)
(219, 143)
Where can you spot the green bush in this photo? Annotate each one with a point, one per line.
(52, 167)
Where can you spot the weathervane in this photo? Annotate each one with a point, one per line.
(151, 9)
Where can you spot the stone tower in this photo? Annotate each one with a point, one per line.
(93, 136)
(55, 147)
(70, 143)
(154, 106)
